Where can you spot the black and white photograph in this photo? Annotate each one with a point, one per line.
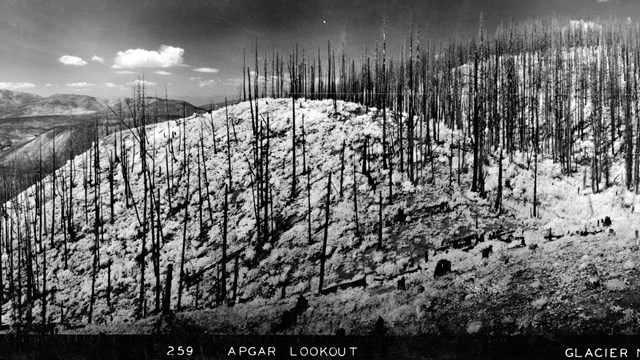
(383, 179)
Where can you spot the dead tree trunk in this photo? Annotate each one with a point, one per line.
(166, 304)
(325, 236)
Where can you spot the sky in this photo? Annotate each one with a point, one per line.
(194, 48)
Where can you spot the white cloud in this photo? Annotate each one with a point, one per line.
(125, 72)
(203, 83)
(113, 86)
(15, 86)
(97, 58)
(233, 82)
(206, 70)
(72, 60)
(162, 72)
(166, 56)
(142, 83)
(50, 85)
(80, 84)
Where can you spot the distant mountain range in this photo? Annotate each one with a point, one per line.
(15, 104)
(172, 107)
(27, 121)
(20, 104)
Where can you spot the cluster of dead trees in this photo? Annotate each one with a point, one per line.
(548, 88)
(81, 199)
(554, 88)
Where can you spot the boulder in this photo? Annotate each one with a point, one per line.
(474, 327)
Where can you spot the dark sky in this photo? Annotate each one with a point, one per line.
(47, 46)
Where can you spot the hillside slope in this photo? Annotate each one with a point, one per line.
(121, 243)
(515, 290)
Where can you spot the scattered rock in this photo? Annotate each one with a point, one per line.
(538, 317)
(628, 315)
(508, 320)
(536, 284)
(474, 327)
(4, 143)
(539, 303)
(600, 314)
(607, 221)
(593, 278)
(628, 265)
(615, 285)
(422, 310)
(523, 322)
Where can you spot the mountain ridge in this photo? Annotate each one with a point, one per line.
(21, 104)
(15, 104)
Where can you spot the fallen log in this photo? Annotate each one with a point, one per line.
(438, 208)
(551, 237)
(392, 277)
(502, 235)
(361, 282)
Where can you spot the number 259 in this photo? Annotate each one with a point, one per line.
(180, 351)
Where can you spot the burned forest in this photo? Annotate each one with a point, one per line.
(476, 185)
